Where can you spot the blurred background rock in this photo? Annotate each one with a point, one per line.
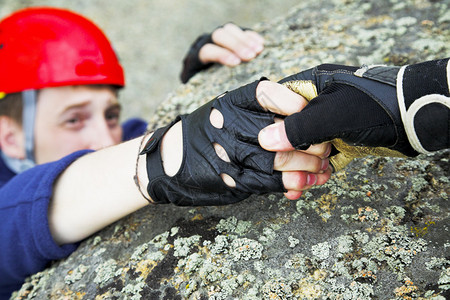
(152, 36)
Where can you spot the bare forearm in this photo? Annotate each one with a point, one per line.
(95, 191)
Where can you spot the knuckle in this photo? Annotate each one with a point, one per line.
(282, 159)
(300, 181)
(218, 33)
(317, 165)
(208, 47)
(294, 181)
(229, 26)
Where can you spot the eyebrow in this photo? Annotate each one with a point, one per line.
(74, 106)
(114, 105)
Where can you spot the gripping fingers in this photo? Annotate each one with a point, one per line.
(297, 181)
(293, 195)
(322, 150)
(254, 36)
(233, 38)
(279, 99)
(297, 160)
(211, 53)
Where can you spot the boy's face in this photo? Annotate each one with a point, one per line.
(72, 118)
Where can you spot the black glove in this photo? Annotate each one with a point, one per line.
(370, 110)
(198, 181)
(191, 62)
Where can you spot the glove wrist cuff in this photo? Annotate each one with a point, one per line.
(421, 95)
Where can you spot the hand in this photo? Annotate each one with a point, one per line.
(315, 168)
(228, 45)
(231, 46)
(347, 110)
(212, 156)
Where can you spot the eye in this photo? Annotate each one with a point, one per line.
(112, 117)
(74, 122)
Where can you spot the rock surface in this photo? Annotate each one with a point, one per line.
(377, 230)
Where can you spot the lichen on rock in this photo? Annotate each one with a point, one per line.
(377, 229)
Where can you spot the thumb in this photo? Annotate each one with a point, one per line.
(274, 138)
(211, 53)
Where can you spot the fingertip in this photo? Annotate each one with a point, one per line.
(322, 178)
(311, 179)
(264, 139)
(255, 36)
(247, 54)
(293, 195)
(294, 180)
(231, 60)
(258, 47)
(274, 138)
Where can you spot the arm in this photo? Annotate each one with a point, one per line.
(109, 192)
(95, 191)
(47, 209)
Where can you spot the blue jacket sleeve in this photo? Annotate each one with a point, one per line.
(133, 128)
(26, 245)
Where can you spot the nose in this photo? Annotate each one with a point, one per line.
(101, 136)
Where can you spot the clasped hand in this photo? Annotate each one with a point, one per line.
(299, 169)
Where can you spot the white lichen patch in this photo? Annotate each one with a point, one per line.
(154, 256)
(174, 230)
(437, 263)
(220, 245)
(345, 245)
(277, 289)
(191, 263)
(99, 252)
(233, 225)
(394, 213)
(97, 240)
(365, 267)
(444, 280)
(227, 225)
(229, 285)
(182, 246)
(209, 271)
(395, 248)
(354, 290)
(105, 272)
(321, 251)
(366, 214)
(76, 274)
(268, 235)
(245, 249)
(160, 240)
(293, 241)
(132, 291)
(298, 262)
(137, 254)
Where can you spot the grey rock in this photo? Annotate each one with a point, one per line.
(378, 229)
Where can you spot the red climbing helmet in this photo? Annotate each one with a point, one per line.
(49, 47)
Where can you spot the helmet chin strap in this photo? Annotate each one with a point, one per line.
(17, 165)
(29, 98)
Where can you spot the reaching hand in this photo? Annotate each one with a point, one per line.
(228, 45)
(231, 46)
